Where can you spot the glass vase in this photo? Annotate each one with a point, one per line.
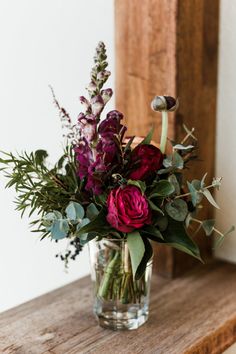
(120, 301)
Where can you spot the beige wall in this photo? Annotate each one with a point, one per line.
(226, 127)
(42, 42)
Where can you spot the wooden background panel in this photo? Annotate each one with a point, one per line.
(196, 86)
(145, 52)
(170, 47)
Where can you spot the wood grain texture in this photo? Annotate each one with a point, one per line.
(195, 314)
(170, 47)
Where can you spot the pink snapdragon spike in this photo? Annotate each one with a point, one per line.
(84, 157)
(99, 146)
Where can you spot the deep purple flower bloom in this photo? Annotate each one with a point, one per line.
(111, 125)
(84, 156)
(108, 147)
(95, 175)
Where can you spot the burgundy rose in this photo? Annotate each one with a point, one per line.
(147, 159)
(128, 208)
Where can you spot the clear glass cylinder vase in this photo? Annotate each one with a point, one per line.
(120, 301)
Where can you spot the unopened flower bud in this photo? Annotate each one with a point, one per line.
(164, 103)
(106, 95)
(97, 104)
(85, 103)
(92, 87)
(103, 75)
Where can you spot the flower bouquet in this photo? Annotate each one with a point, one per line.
(117, 193)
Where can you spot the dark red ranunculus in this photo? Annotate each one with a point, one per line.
(147, 159)
(128, 208)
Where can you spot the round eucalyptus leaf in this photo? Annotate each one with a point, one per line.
(177, 209)
(59, 229)
(74, 211)
(92, 211)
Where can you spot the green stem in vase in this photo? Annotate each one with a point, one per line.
(109, 275)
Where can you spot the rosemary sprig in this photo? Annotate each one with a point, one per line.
(39, 188)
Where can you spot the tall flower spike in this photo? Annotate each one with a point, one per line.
(164, 104)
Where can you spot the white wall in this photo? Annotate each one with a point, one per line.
(42, 42)
(226, 127)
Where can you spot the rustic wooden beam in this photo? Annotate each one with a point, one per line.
(170, 47)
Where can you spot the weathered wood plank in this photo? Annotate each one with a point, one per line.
(170, 47)
(195, 313)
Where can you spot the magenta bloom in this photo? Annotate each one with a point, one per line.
(145, 159)
(128, 208)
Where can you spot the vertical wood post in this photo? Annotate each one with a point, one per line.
(169, 47)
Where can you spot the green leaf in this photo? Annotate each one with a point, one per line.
(203, 180)
(90, 236)
(98, 224)
(154, 207)
(173, 180)
(162, 189)
(57, 214)
(100, 199)
(220, 240)
(74, 211)
(174, 160)
(194, 193)
(140, 184)
(128, 145)
(92, 211)
(136, 248)
(161, 222)
(59, 229)
(152, 232)
(196, 184)
(210, 199)
(148, 138)
(40, 156)
(177, 209)
(178, 162)
(83, 237)
(175, 236)
(146, 258)
(208, 226)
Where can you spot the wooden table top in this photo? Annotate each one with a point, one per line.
(192, 314)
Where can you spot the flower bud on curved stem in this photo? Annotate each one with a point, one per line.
(164, 104)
